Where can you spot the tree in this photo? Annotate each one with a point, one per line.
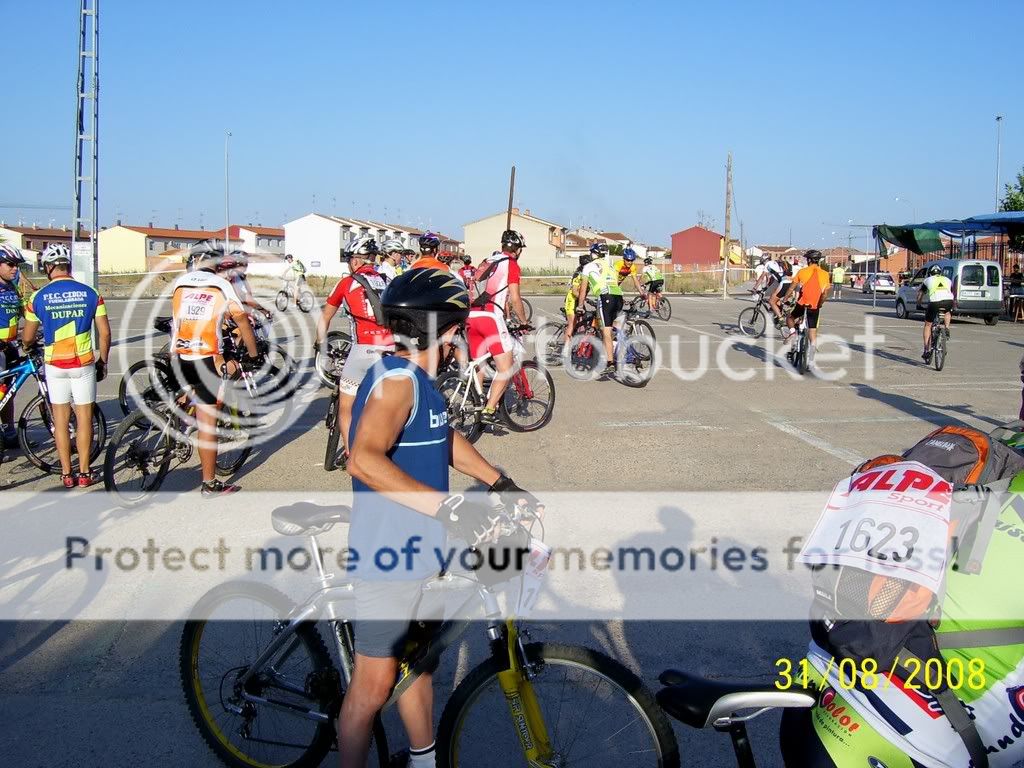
(1014, 201)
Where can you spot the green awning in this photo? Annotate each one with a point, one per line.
(922, 241)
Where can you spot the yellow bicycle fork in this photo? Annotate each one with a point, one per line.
(527, 717)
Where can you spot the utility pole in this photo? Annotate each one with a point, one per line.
(728, 213)
(999, 148)
(85, 205)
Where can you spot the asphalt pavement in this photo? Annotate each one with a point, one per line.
(722, 414)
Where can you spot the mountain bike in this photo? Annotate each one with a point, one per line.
(148, 381)
(753, 320)
(266, 691)
(663, 309)
(701, 703)
(526, 405)
(329, 359)
(149, 440)
(938, 345)
(35, 425)
(333, 354)
(305, 300)
(633, 346)
(799, 354)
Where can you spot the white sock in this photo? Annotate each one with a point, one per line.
(422, 758)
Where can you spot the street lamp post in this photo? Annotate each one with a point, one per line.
(227, 193)
(999, 148)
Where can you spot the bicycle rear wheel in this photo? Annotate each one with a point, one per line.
(641, 329)
(939, 353)
(331, 357)
(306, 300)
(35, 434)
(634, 362)
(802, 353)
(333, 458)
(529, 400)
(664, 309)
(597, 713)
(138, 457)
(555, 345)
(234, 443)
(233, 624)
(145, 383)
(752, 322)
(463, 417)
(281, 301)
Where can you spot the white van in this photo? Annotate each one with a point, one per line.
(977, 288)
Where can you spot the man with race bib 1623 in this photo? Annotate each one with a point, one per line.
(497, 292)
(360, 292)
(938, 289)
(601, 280)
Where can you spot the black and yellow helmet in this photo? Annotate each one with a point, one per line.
(421, 304)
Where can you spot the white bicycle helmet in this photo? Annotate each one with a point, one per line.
(392, 245)
(56, 253)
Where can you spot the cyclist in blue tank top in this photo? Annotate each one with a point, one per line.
(400, 450)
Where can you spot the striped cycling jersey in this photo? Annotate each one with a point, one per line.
(12, 307)
(65, 309)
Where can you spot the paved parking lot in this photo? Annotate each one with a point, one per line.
(684, 432)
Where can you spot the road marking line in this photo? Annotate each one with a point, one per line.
(658, 423)
(817, 442)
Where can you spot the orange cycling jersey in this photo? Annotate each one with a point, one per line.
(199, 303)
(429, 262)
(814, 282)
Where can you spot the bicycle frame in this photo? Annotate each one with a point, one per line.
(505, 642)
(20, 374)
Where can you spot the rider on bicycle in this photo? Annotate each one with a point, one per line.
(12, 309)
(294, 276)
(466, 271)
(402, 448)
(654, 283)
(201, 301)
(359, 291)
(813, 284)
(627, 267)
(487, 330)
(233, 268)
(601, 280)
(575, 286)
(938, 289)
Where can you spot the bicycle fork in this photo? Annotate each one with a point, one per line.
(523, 706)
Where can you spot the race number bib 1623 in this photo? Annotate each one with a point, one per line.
(891, 521)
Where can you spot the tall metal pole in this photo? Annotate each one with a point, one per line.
(511, 192)
(999, 149)
(728, 214)
(85, 207)
(227, 194)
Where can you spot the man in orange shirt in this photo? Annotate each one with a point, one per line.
(813, 284)
(430, 244)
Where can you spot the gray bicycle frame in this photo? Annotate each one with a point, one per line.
(324, 604)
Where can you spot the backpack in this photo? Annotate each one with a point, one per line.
(372, 295)
(484, 273)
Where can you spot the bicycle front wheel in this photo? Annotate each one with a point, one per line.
(939, 355)
(306, 301)
(333, 458)
(596, 712)
(281, 301)
(752, 322)
(35, 434)
(138, 457)
(331, 358)
(145, 383)
(529, 398)
(218, 647)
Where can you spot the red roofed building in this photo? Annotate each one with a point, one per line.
(696, 249)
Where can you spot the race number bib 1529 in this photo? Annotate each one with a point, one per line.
(891, 521)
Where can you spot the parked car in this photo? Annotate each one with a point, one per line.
(879, 282)
(977, 289)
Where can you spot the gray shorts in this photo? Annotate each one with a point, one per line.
(360, 359)
(380, 627)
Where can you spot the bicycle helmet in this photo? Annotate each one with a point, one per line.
(935, 270)
(648, 260)
(467, 260)
(512, 240)
(598, 249)
(10, 255)
(421, 304)
(429, 243)
(233, 260)
(629, 255)
(765, 258)
(364, 247)
(392, 245)
(288, 257)
(813, 256)
(206, 254)
(56, 253)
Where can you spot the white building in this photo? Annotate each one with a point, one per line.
(545, 240)
(255, 239)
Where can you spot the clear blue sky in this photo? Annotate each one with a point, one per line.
(621, 114)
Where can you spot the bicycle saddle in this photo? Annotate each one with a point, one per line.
(163, 324)
(305, 518)
(698, 702)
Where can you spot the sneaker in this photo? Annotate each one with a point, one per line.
(217, 488)
(85, 479)
(490, 417)
(926, 355)
(69, 480)
(609, 370)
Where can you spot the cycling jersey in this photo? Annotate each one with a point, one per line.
(506, 272)
(365, 329)
(12, 307)
(421, 451)
(466, 275)
(429, 262)
(775, 270)
(938, 288)
(200, 303)
(387, 270)
(904, 713)
(65, 310)
(570, 297)
(652, 274)
(601, 278)
(814, 284)
(624, 269)
(298, 270)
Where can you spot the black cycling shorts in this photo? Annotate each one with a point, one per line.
(783, 289)
(201, 375)
(611, 308)
(934, 307)
(812, 315)
(655, 286)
